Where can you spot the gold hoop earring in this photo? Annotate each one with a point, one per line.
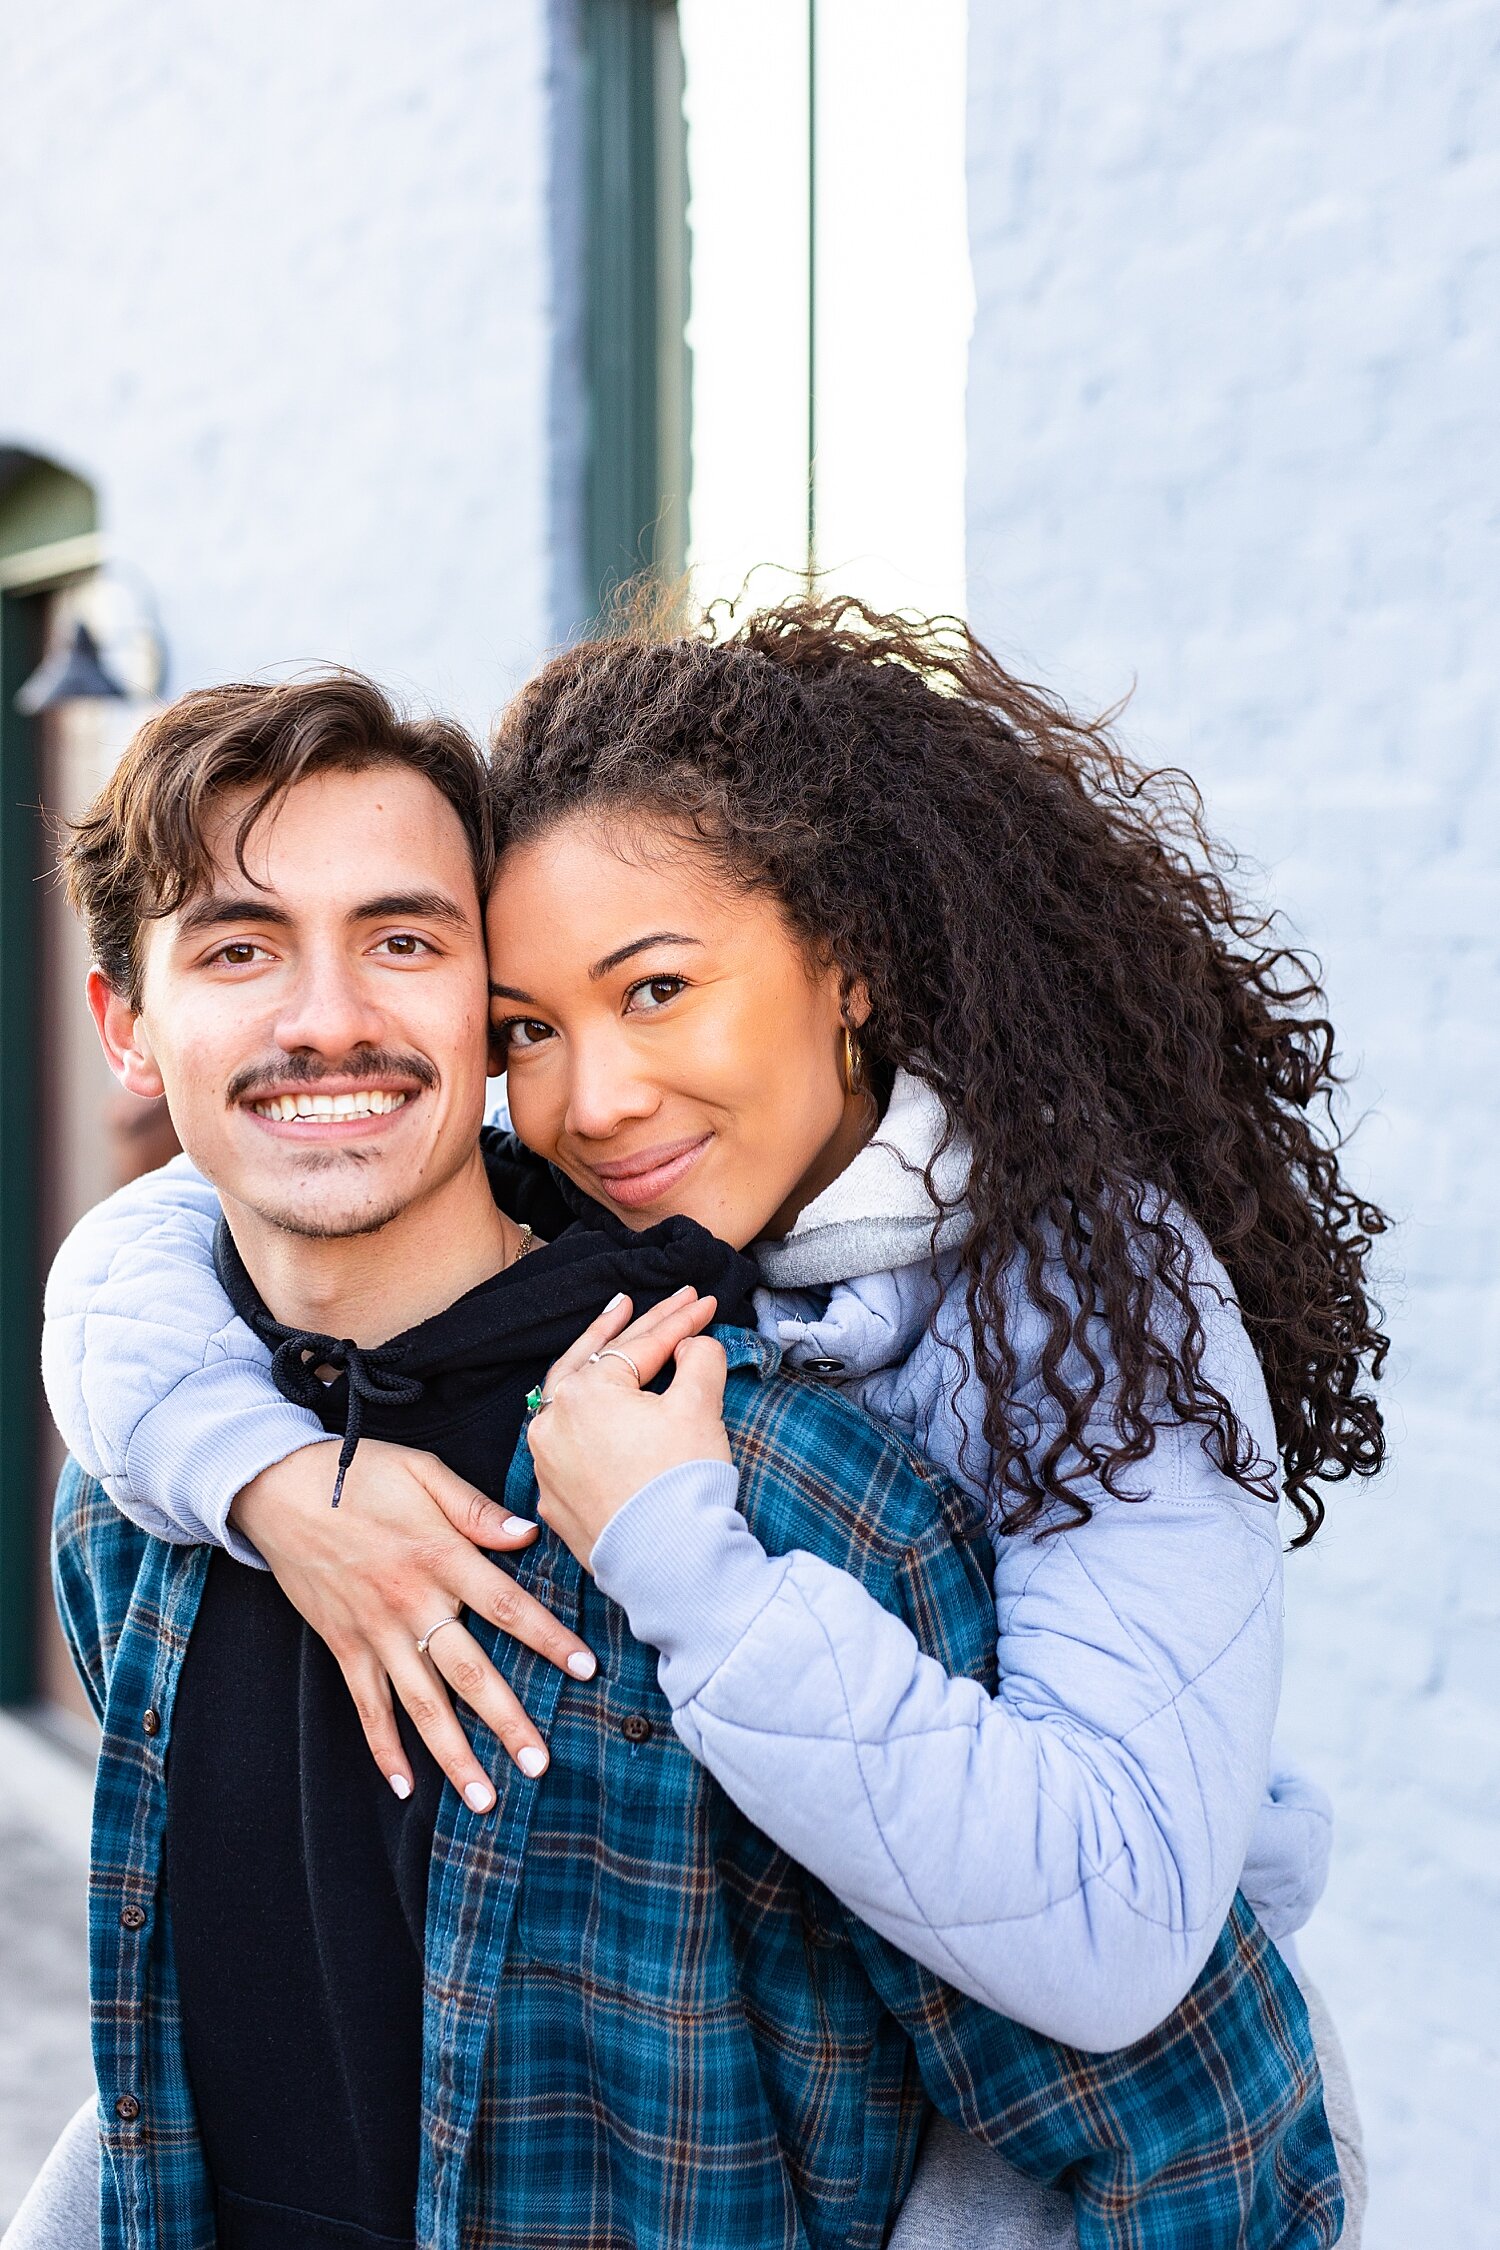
(854, 1064)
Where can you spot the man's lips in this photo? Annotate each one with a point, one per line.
(338, 1109)
(635, 1181)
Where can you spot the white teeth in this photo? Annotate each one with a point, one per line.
(282, 1108)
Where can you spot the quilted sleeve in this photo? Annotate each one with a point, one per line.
(1065, 1851)
(160, 1391)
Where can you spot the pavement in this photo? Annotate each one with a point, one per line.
(45, 1791)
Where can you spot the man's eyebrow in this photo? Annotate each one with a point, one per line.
(638, 945)
(416, 906)
(215, 908)
(218, 908)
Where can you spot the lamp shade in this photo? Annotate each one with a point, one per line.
(73, 674)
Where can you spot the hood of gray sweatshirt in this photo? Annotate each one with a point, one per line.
(879, 1213)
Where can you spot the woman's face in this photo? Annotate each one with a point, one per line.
(665, 1038)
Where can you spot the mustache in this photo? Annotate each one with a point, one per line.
(307, 1070)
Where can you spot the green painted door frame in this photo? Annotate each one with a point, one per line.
(47, 537)
(635, 289)
(20, 651)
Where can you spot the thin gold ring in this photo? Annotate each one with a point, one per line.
(450, 1619)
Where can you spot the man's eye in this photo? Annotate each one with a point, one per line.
(237, 955)
(652, 993)
(405, 944)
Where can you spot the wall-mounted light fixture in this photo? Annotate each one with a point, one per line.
(73, 673)
(106, 643)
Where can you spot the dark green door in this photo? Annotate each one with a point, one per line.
(46, 536)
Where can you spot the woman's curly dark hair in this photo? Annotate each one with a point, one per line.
(1048, 939)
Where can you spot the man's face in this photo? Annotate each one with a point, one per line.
(319, 1029)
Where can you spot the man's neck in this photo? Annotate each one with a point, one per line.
(370, 1287)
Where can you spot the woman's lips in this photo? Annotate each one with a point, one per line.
(635, 1181)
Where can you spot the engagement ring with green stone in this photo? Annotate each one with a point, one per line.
(535, 1401)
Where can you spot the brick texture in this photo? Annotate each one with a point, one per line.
(1233, 418)
(277, 282)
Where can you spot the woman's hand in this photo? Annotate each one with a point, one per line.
(602, 1436)
(371, 1579)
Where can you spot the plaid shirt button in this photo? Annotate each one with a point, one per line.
(816, 1934)
(128, 2108)
(636, 1727)
(151, 1721)
(132, 1917)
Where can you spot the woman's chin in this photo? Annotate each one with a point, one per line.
(690, 1195)
(730, 1227)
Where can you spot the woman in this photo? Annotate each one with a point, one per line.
(915, 984)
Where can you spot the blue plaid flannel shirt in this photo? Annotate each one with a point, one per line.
(644, 2025)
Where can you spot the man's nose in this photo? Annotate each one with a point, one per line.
(329, 1010)
(606, 1088)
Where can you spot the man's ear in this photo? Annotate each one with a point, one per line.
(122, 1035)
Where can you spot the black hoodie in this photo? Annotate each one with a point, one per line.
(298, 1881)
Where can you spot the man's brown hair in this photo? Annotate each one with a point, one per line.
(141, 850)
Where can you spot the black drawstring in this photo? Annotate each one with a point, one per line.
(371, 1372)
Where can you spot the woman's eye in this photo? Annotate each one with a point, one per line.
(523, 1031)
(654, 992)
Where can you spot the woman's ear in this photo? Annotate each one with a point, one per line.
(124, 1038)
(857, 1005)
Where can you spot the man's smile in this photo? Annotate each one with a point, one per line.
(369, 1101)
(342, 1109)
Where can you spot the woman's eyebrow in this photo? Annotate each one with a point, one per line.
(638, 945)
(600, 968)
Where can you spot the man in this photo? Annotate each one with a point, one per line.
(606, 2010)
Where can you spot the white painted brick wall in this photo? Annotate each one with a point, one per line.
(276, 280)
(1233, 416)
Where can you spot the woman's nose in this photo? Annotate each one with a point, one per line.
(606, 1089)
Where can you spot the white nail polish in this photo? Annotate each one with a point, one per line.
(480, 1795)
(532, 1761)
(583, 1664)
(615, 1301)
(400, 1784)
(514, 1524)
